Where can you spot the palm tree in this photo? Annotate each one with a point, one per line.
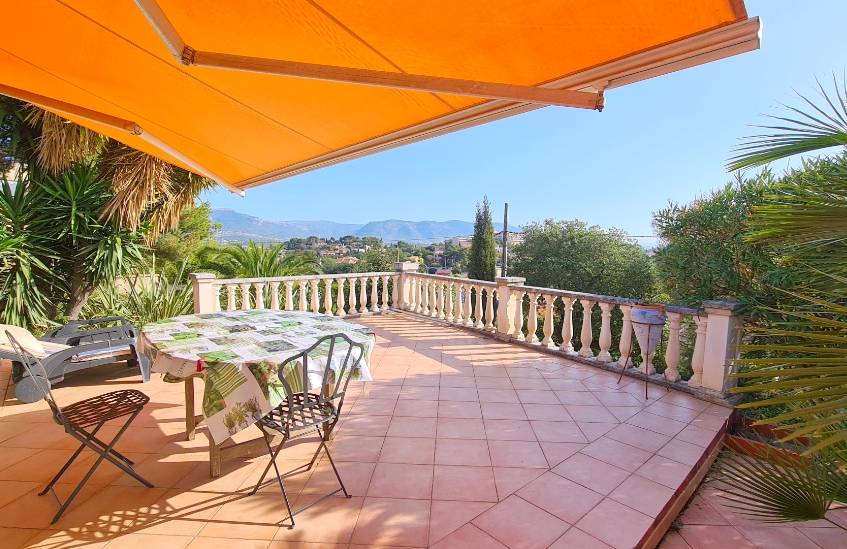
(802, 358)
(261, 260)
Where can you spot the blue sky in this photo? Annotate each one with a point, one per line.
(661, 140)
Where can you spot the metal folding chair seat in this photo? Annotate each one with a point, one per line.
(312, 409)
(82, 420)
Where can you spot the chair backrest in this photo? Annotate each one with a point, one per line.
(38, 373)
(341, 357)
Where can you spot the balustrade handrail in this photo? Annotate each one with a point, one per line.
(295, 278)
(473, 281)
(609, 299)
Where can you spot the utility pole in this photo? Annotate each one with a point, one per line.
(505, 253)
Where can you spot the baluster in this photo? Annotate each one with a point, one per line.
(518, 333)
(230, 297)
(374, 295)
(424, 308)
(260, 294)
(340, 298)
(328, 296)
(532, 318)
(489, 309)
(625, 345)
(458, 309)
(672, 351)
(275, 296)
(586, 336)
(548, 321)
(218, 290)
(245, 296)
(440, 288)
(302, 304)
(433, 299)
(605, 332)
(289, 296)
(395, 291)
(316, 295)
(466, 314)
(699, 351)
(448, 301)
(567, 326)
(363, 295)
(385, 294)
(478, 307)
(352, 297)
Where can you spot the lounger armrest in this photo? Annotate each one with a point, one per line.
(72, 328)
(66, 355)
(68, 335)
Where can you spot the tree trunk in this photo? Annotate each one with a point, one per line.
(80, 291)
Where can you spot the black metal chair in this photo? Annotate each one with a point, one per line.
(82, 420)
(309, 409)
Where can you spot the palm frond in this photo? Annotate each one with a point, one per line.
(62, 143)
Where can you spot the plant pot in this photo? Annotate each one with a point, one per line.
(648, 322)
(764, 451)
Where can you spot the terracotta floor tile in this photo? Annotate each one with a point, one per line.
(636, 436)
(629, 524)
(673, 540)
(577, 398)
(464, 483)
(384, 521)
(412, 427)
(591, 414)
(557, 452)
(355, 475)
(11, 490)
(778, 537)
(373, 407)
(502, 410)
(227, 543)
(328, 520)
(10, 456)
(365, 425)
(468, 536)
(416, 408)
(561, 497)
(696, 435)
(419, 393)
(593, 431)
(617, 399)
(462, 452)
(143, 541)
(508, 429)
(449, 427)
(518, 524)
(113, 509)
(665, 471)
(458, 394)
(356, 448)
(535, 396)
(489, 371)
(393, 480)
(458, 381)
(557, 431)
(666, 409)
(511, 479)
(494, 383)
(547, 412)
(657, 424)
(623, 413)
(15, 538)
(448, 516)
(514, 453)
(498, 395)
(180, 513)
(408, 450)
(617, 453)
(459, 409)
(714, 537)
(699, 511)
(681, 451)
(826, 538)
(51, 539)
(575, 538)
(642, 495)
(592, 473)
(530, 383)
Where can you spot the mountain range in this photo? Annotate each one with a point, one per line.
(239, 227)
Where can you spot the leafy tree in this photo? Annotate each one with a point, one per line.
(179, 248)
(257, 260)
(377, 258)
(483, 253)
(571, 255)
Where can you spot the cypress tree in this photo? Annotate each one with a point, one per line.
(483, 253)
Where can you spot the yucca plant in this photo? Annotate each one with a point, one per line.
(801, 351)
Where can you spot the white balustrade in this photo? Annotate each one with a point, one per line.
(260, 294)
(449, 301)
(518, 333)
(489, 309)
(385, 293)
(351, 299)
(625, 344)
(301, 298)
(532, 318)
(672, 350)
(340, 298)
(374, 289)
(441, 314)
(245, 295)
(567, 326)
(275, 296)
(459, 309)
(548, 321)
(289, 295)
(315, 297)
(230, 297)
(605, 340)
(363, 295)
(328, 296)
(478, 307)
(698, 357)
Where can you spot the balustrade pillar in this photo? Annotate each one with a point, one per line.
(303, 304)
(459, 308)
(548, 321)
(351, 298)
(701, 323)
(363, 295)
(723, 333)
(230, 297)
(672, 351)
(433, 299)
(275, 296)
(259, 287)
(532, 318)
(328, 296)
(586, 336)
(424, 307)
(374, 294)
(315, 301)
(477, 307)
(625, 344)
(413, 294)
(203, 288)
(518, 333)
(289, 295)
(339, 297)
(466, 313)
(508, 289)
(567, 326)
(605, 341)
(245, 296)
(448, 301)
(489, 309)
(441, 314)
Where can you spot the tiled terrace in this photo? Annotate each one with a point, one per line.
(461, 441)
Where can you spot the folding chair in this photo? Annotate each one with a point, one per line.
(82, 420)
(310, 407)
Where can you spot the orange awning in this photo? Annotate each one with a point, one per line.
(251, 92)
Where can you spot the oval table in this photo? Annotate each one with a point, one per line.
(237, 354)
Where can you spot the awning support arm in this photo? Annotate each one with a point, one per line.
(436, 84)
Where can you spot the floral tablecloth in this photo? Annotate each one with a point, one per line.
(239, 354)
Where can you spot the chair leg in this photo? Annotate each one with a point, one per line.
(67, 464)
(273, 454)
(341, 482)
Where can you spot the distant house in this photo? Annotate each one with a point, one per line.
(444, 272)
(414, 259)
(348, 260)
(514, 238)
(462, 241)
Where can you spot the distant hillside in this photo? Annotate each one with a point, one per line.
(239, 227)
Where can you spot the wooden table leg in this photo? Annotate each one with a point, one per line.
(192, 420)
(220, 453)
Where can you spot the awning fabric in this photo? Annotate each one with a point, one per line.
(107, 65)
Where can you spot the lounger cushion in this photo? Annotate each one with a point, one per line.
(24, 338)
